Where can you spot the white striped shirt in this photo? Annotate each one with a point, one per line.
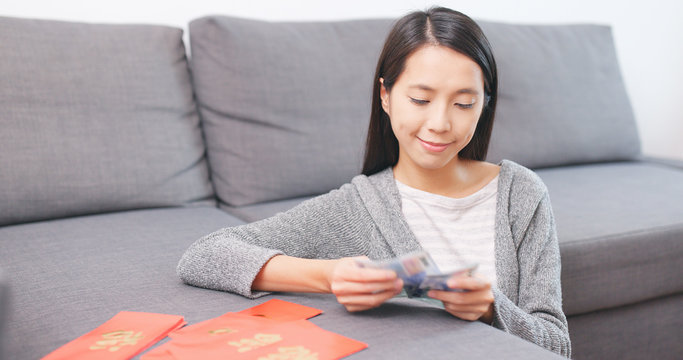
(454, 231)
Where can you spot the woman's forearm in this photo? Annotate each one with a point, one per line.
(291, 274)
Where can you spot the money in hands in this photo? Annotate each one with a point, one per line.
(419, 272)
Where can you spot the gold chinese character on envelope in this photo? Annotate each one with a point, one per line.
(221, 331)
(122, 337)
(291, 353)
(114, 340)
(258, 341)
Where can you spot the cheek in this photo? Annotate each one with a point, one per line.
(467, 129)
(468, 124)
(404, 120)
(401, 130)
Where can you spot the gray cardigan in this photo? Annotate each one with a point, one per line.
(364, 218)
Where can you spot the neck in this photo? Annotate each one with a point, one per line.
(443, 181)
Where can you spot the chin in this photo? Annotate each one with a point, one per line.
(433, 165)
(431, 162)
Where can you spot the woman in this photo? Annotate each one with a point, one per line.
(425, 186)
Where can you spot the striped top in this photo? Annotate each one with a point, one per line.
(454, 231)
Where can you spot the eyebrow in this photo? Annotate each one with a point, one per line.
(460, 91)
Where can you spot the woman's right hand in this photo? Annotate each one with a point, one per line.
(359, 288)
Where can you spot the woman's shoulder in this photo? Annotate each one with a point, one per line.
(520, 180)
(379, 179)
(377, 188)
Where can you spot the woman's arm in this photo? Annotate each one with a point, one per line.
(538, 315)
(287, 253)
(356, 288)
(291, 274)
(327, 227)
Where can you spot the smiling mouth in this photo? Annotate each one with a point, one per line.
(434, 146)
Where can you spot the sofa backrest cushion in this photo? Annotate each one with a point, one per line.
(561, 98)
(285, 105)
(96, 118)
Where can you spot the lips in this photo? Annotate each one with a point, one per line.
(434, 146)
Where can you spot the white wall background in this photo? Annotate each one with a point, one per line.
(648, 35)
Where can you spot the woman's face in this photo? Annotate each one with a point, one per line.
(434, 106)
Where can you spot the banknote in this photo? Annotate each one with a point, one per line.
(419, 272)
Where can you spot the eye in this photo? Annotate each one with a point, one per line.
(418, 101)
(464, 106)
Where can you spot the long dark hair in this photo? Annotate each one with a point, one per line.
(438, 26)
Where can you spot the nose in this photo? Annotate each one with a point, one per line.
(439, 120)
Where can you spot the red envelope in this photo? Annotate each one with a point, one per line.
(275, 330)
(208, 330)
(221, 326)
(294, 339)
(121, 337)
(160, 352)
(277, 309)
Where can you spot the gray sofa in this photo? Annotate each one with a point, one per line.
(118, 150)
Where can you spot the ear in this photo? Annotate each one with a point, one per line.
(384, 96)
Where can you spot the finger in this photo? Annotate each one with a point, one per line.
(468, 282)
(475, 309)
(352, 287)
(365, 301)
(468, 316)
(463, 298)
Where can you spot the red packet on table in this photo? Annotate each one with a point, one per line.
(121, 337)
(277, 309)
(284, 340)
(160, 352)
(222, 327)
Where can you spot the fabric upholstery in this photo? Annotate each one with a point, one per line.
(4, 297)
(620, 228)
(647, 330)
(95, 118)
(672, 162)
(127, 261)
(562, 99)
(285, 106)
(255, 212)
(84, 270)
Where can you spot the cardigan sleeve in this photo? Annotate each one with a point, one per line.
(326, 227)
(538, 315)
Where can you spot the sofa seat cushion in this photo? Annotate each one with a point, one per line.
(96, 118)
(69, 276)
(620, 227)
(646, 330)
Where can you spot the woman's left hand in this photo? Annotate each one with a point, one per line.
(476, 303)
